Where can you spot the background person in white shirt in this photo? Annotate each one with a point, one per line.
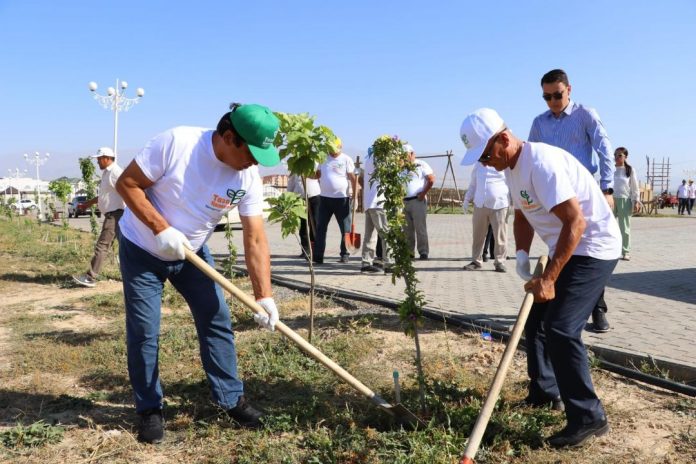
(416, 205)
(313, 191)
(176, 190)
(336, 178)
(626, 198)
(375, 221)
(490, 196)
(556, 197)
(683, 197)
(111, 205)
(692, 195)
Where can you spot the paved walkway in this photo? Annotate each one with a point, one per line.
(651, 299)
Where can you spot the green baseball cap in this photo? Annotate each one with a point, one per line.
(258, 126)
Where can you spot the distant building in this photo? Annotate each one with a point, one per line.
(276, 180)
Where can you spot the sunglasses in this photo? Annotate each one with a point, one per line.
(486, 156)
(555, 96)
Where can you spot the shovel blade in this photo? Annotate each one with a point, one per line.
(403, 416)
(352, 241)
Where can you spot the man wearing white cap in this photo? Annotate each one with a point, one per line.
(415, 205)
(375, 221)
(111, 204)
(556, 197)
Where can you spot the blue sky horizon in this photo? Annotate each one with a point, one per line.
(363, 69)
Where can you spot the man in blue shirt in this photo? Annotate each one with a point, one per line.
(578, 130)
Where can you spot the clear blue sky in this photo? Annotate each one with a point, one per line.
(363, 68)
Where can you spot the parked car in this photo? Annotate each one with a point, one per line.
(26, 204)
(77, 207)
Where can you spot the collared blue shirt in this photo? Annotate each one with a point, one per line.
(578, 130)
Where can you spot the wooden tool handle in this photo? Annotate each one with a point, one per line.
(493, 393)
(282, 328)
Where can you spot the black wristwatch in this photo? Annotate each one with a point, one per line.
(609, 191)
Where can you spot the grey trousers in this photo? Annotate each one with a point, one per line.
(106, 238)
(416, 212)
(375, 221)
(480, 220)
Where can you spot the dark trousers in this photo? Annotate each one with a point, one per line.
(312, 215)
(689, 205)
(683, 205)
(557, 362)
(328, 208)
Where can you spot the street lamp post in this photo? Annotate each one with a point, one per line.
(15, 173)
(116, 101)
(37, 160)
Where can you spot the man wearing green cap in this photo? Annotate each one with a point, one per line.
(176, 190)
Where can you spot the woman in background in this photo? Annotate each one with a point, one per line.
(626, 198)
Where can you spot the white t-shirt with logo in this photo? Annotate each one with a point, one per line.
(416, 184)
(334, 176)
(192, 189)
(546, 176)
(109, 200)
(371, 198)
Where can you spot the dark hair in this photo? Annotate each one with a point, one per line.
(624, 152)
(225, 124)
(553, 76)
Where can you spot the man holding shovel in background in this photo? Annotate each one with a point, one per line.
(176, 190)
(556, 197)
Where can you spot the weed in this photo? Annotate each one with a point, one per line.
(37, 434)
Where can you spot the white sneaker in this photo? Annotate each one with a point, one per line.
(85, 280)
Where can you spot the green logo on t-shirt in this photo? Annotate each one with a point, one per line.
(525, 195)
(235, 195)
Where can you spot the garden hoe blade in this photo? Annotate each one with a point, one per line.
(399, 412)
(474, 442)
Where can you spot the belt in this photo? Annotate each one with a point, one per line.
(410, 198)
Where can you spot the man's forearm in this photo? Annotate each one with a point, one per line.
(523, 232)
(568, 240)
(258, 263)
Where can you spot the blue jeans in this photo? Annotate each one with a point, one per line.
(143, 280)
(329, 207)
(557, 361)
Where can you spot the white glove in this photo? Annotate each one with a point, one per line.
(269, 321)
(523, 266)
(171, 242)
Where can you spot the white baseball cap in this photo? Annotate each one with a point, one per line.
(104, 151)
(476, 130)
(408, 148)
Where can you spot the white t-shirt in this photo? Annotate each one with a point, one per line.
(487, 188)
(334, 176)
(692, 190)
(371, 198)
(683, 191)
(192, 188)
(295, 186)
(109, 200)
(546, 176)
(417, 182)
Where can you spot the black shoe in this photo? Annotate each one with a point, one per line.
(556, 404)
(371, 269)
(485, 258)
(151, 426)
(599, 321)
(245, 414)
(378, 264)
(318, 261)
(344, 259)
(388, 269)
(423, 256)
(574, 436)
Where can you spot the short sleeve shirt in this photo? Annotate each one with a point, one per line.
(192, 189)
(334, 176)
(546, 176)
(416, 183)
